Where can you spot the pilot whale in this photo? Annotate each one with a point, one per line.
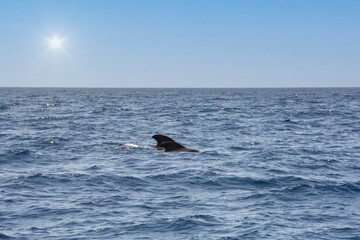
(169, 145)
(161, 139)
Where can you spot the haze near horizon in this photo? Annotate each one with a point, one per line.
(204, 43)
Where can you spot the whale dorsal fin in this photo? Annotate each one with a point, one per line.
(171, 146)
(161, 139)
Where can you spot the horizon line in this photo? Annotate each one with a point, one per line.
(180, 87)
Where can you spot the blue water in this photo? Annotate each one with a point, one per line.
(273, 164)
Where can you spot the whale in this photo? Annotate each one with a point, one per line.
(167, 144)
(160, 139)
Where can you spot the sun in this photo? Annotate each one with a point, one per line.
(55, 42)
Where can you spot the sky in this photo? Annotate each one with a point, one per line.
(180, 43)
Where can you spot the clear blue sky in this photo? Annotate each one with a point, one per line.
(180, 43)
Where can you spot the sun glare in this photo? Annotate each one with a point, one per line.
(55, 42)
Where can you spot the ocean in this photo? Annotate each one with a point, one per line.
(273, 164)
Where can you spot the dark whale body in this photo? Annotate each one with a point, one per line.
(169, 145)
(160, 139)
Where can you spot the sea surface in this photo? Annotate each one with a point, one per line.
(273, 164)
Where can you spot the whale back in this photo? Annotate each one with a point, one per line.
(171, 146)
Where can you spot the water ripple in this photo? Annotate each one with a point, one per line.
(274, 164)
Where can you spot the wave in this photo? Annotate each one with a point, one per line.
(4, 236)
(131, 145)
(3, 107)
(179, 224)
(78, 179)
(192, 222)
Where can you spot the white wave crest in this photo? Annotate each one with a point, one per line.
(131, 145)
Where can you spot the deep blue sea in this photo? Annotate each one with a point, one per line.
(273, 164)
